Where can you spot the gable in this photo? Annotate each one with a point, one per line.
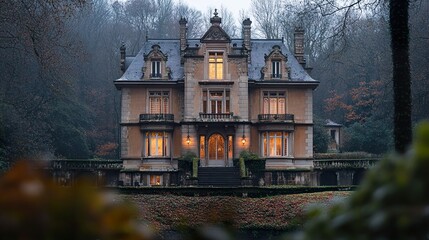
(215, 34)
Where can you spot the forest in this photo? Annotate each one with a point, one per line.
(59, 60)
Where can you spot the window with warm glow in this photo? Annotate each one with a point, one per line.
(202, 147)
(216, 147)
(159, 102)
(274, 103)
(215, 65)
(230, 144)
(275, 144)
(155, 180)
(157, 144)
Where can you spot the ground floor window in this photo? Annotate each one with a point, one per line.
(275, 144)
(157, 144)
(155, 180)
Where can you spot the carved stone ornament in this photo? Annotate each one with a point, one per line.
(155, 53)
(215, 34)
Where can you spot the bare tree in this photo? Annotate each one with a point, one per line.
(268, 15)
(228, 21)
(194, 17)
(399, 35)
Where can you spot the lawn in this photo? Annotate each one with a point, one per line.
(284, 212)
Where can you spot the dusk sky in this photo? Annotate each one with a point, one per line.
(232, 5)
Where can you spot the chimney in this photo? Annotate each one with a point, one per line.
(298, 39)
(246, 34)
(122, 62)
(183, 33)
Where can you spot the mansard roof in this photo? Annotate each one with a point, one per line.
(260, 47)
(171, 49)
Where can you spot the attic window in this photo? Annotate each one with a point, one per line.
(275, 69)
(155, 64)
(215, 65)
(156, 69)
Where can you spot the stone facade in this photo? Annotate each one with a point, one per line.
(214, 97)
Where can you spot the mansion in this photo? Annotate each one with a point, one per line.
(214, 97)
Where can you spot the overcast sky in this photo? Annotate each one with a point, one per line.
(232, 5)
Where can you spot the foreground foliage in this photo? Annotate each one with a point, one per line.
(392, 203)
(33, 207)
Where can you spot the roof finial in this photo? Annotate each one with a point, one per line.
(215, 20)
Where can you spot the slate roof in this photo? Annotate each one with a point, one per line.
(171, 48)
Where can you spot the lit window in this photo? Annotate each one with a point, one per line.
(275, 69)
(216, 101)
(275, 144)
(159, 102)
(230, 145)
(157, 144)
(274, 103)
(156, 69)
(155, 180)
(202, 147)
(215, 65)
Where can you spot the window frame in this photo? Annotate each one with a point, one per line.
(267, 107)
(207, 99)
(165, 147)
(165, 101)
(284, 137)
(156, 68)
(216, 64)
(276, 69)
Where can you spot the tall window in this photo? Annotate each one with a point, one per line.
(216, 147)
(275, 69)
(275, 144)
(156, 69)
(215, 65)
(216, 101)
(202, 147)
(157, 144)
(159, 102)
(274, 103)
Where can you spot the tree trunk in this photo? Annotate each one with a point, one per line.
(399, 34)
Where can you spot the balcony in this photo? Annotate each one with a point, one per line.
(161, 117)
(276, 117)
(216, 117)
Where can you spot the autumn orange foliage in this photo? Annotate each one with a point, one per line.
(360, 104)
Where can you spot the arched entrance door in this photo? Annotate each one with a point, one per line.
(216, 150)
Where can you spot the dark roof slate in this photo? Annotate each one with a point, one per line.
(171, 48)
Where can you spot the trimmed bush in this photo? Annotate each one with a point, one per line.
(195, 167)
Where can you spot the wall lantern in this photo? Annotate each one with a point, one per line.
(188, 138)
(243, 138)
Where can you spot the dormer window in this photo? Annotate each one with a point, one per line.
(156, 69)
(216, 65)
(155, 64)
(275, 69)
